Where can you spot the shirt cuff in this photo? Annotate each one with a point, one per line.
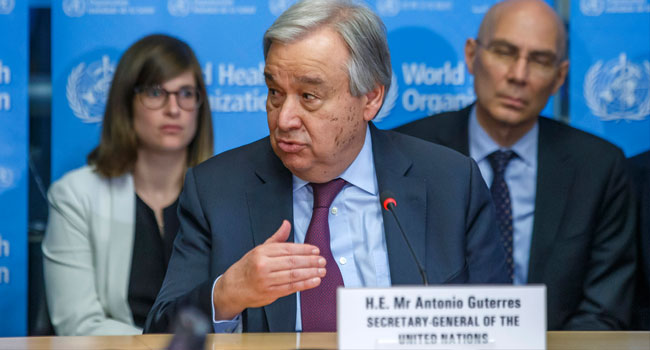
(225, 326)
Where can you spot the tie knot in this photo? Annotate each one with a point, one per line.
(325, 193)
(499, 160)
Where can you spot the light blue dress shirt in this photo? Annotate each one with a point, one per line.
(356, 225)
(521, 177)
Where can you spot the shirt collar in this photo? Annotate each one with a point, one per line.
(481, 144)
(361, 173)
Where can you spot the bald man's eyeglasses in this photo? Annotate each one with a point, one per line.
(539, 62)
(155, 97)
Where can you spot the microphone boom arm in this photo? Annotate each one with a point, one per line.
(389, 204)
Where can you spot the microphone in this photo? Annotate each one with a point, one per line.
(190, 329)
(389, 203)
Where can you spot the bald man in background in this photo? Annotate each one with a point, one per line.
(562, 196)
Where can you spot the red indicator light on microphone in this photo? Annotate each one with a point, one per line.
(389, 201)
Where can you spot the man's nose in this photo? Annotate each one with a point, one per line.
(289, 115)
(519, 70)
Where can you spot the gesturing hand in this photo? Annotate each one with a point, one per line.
(268, 272)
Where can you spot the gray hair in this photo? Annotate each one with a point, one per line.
(361, 29)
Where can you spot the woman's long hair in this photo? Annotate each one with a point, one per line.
(150, 61)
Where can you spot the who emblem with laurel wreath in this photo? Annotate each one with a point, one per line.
(592, 7)
(6, 6)
(87, 89)
(7, 178)
(277, 7)
(618, 89)
(388, 7)
(74, 8)
(178, 8)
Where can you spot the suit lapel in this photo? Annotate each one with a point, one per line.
(639, 176)
(391, 167)
(555, 175)
(457, 135)
(269, 203)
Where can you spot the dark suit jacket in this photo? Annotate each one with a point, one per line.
(640, 174)
(236, 200)
(583, 231)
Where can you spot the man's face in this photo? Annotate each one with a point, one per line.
(316, 126)
(516, 67)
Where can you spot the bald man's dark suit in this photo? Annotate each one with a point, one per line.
(640, 174)
(583, 230)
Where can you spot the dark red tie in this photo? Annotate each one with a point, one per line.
(318, 305)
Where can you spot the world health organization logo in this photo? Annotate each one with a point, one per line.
(389, 101)
(179, 8)
(74, 8)
(6, 178)
(388, 7)
(592, 7)
(618, 89)
(278, 6)
(87, 89)
(6, 6)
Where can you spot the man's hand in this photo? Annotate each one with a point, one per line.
(267, 272)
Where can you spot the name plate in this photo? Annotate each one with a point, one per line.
(455, 317)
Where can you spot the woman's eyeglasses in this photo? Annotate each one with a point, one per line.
(156, 97)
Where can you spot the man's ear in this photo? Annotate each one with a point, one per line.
(562, 72)
(374, 100)
(470, 54)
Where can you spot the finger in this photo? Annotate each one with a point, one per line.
(282, 234)
(291, 262)
(275, 292)
(294, 276)
(288, 249)
(298, 286)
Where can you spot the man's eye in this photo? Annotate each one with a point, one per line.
(307, 96)
(543, 59)
(275, 96)
(504, 51)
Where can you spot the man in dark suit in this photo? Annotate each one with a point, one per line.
(563, 204)
(640, 174)
(327, 69)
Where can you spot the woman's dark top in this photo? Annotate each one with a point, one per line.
(151, 252)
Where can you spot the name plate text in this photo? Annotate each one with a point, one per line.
(456, 317)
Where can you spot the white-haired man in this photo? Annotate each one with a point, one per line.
(318, 176)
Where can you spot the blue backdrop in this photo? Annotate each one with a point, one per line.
(14, 62)
(429, 72)
(88, 39)
(610, 71)
(426, 39)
